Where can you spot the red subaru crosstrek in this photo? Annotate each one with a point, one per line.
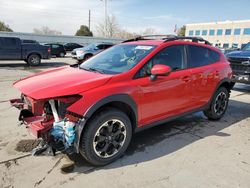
(94, 109)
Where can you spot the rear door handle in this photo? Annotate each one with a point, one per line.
(217, 73)
(186, 78)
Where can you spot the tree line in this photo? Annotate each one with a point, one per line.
(109, 29)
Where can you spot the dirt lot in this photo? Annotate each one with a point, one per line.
(190, 152)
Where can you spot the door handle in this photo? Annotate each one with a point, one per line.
(186, 78)
(217, 73)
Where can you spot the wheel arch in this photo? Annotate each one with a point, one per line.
(227, 83)
(123, 102)
(34, 53)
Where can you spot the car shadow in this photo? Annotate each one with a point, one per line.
(167, 138)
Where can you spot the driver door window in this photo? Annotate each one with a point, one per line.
(173, 56)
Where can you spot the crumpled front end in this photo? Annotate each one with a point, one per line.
(50, 120)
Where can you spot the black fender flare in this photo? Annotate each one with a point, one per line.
(223, 81)
(33, 52)
(124, 98)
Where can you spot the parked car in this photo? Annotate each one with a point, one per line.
(72, 46)
(88, 51)
(240, 63)
(57, 50)
(96, 108)
(12, 48)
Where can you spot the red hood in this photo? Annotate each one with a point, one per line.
(60, 82)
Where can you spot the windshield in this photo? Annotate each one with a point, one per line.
(89, 47)
(247, 47)
(117, 59)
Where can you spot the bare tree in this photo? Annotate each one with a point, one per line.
(109, 30)
(124, 34)
(149, 31)
(45, 30)
(112, 29)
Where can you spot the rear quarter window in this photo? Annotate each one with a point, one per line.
(201, 56)
(55, 46)
(9, 43)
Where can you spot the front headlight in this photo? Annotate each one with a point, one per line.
(80, 52)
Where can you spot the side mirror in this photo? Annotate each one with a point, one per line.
(159, 70)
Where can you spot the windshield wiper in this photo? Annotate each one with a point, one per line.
(92, 70)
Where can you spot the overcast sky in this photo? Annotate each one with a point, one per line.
(133, 15)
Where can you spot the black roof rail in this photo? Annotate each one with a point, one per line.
(194, 39)
(149, 37)
(167, 38)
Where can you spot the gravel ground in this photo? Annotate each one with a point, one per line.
(189, 152)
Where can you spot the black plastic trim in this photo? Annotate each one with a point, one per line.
(125, 98)
(169, 119)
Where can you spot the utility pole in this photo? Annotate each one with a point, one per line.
(89, 19)
(106, 16)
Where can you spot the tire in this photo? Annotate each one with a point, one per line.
(61, 54)
(218, 104)
(34, 60)
(107, 130)
(87, 56)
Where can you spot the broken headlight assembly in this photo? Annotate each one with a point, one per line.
(49, 119)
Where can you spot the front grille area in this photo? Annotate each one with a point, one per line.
(240, 68)
(73, 53)
(238, 59)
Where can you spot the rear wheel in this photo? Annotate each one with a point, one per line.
(106, 137)
(218, 104)
(34, 60)
(61, 54)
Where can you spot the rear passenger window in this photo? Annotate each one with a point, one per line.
(9, 43)
(200, 56)
(55, 46)
(100, 46)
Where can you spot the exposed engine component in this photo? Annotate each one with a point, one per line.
(63, 130)
(49, 120)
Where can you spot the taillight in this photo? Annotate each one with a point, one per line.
(49, 50)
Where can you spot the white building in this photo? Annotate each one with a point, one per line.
(225, 34)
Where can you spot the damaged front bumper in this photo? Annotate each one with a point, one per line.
(61, 134)
(37, 125)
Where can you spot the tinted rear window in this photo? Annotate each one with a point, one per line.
(201, 56)
(9, 43)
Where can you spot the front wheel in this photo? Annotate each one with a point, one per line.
(218, 104)
(106, 137)
(87, 56)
